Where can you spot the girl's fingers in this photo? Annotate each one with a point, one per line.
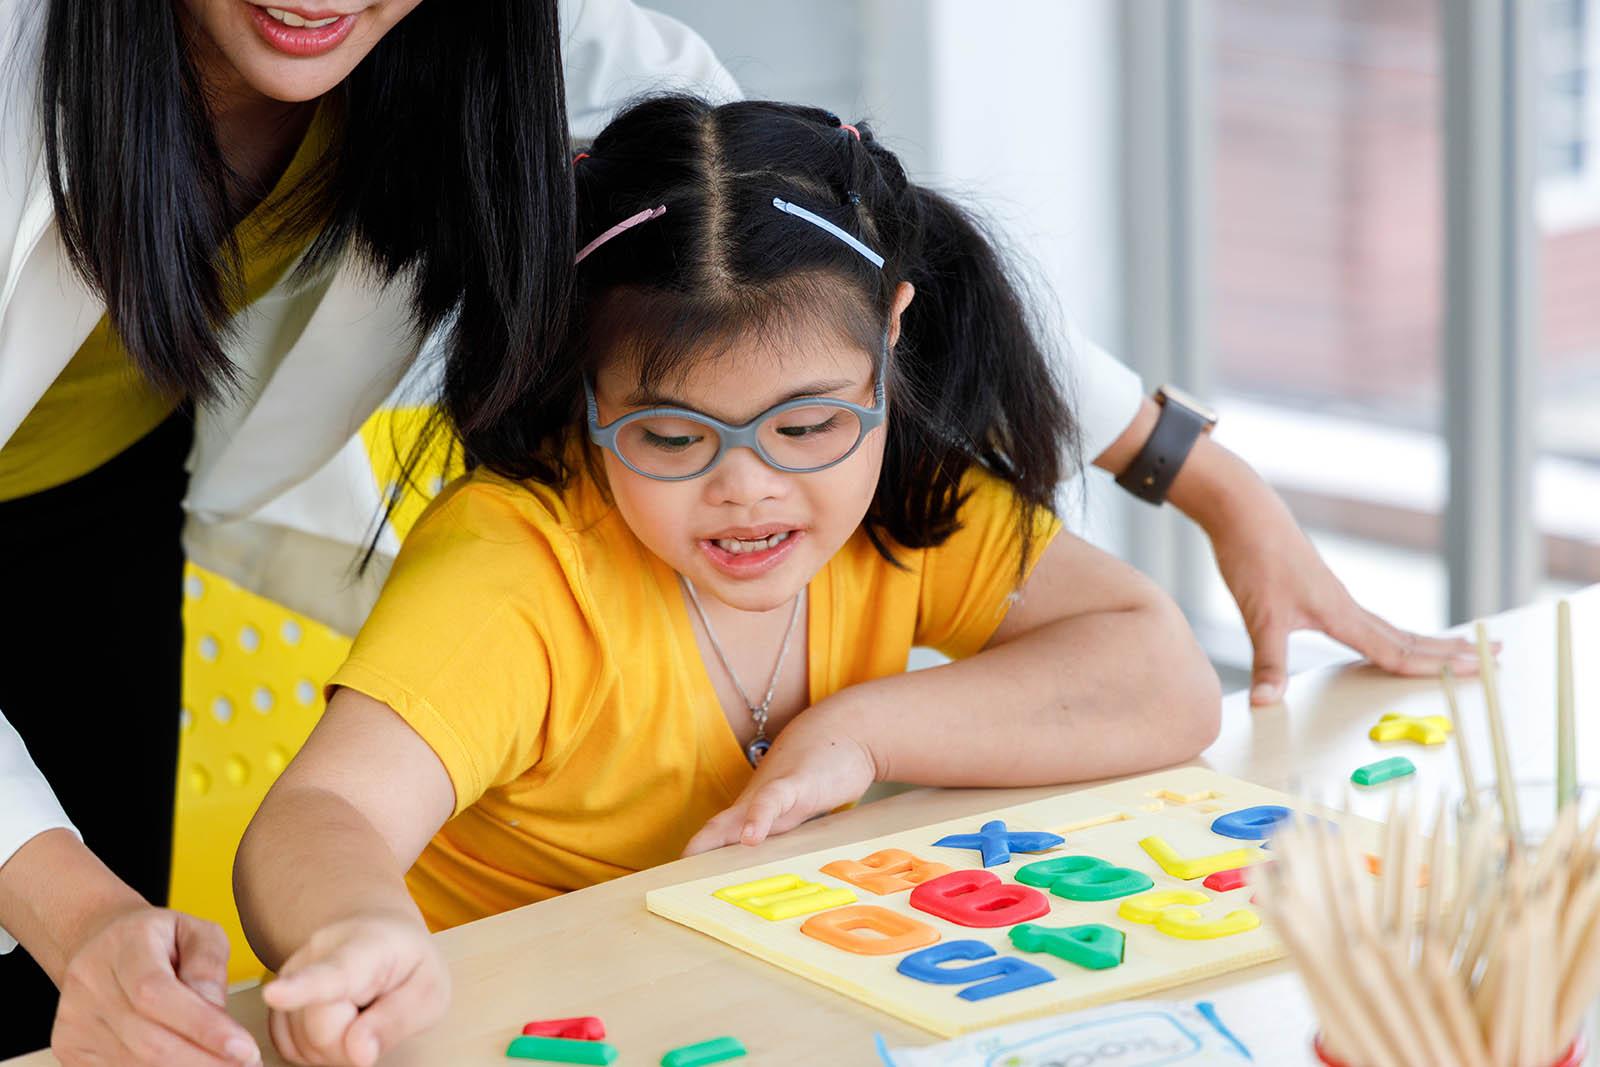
(721, 829)
(395, 1016)
(325, 1026)
(774, 800)
(313, 983)
(281, 1030)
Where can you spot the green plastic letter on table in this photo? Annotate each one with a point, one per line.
(561, 1050)
(714, 1051)
(1383, 771)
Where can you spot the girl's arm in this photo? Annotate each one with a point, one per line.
(1093, 673)
(320, 884)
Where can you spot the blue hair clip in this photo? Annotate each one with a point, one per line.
(821, 223)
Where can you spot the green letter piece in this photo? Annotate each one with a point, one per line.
(714, 1051)
(1383, 771)
(561, 1050)
(1093, 945)
(1084, 878)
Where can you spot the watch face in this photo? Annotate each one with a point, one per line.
(1172, 392)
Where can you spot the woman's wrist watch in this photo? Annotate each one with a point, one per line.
(1181, 422)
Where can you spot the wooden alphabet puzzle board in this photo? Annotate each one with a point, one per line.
(1107, 822)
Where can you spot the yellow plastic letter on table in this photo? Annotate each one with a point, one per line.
(783, 896)
(1198, 866)
(1424, 730)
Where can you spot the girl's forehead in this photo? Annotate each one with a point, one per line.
(744, 366)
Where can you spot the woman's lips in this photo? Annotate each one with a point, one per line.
(302, 41)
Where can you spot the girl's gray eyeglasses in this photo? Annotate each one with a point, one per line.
(798, 436)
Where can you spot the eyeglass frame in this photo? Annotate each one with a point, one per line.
(745, 434)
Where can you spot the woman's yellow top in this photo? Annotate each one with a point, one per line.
(99, 405)
(547, 658)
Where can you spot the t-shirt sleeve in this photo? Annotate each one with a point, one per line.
(968, 582)
(1105, 393)
(459, 642)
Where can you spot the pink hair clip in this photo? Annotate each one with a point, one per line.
(628, 223)
(852, 129)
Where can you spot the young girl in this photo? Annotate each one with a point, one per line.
(803, 426)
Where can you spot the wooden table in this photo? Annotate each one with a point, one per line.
(658, 985)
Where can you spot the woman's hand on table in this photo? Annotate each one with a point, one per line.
(148, 988)
(1282, 585)
(814, 766)
(356, 989)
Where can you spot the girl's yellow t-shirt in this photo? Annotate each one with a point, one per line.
(546, 656)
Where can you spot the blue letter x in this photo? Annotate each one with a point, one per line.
(997, 843)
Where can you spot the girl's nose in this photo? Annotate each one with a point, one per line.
(744, 478)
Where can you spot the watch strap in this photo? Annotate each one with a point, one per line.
(1153, 470)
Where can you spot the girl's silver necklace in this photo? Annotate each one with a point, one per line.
(758, 745)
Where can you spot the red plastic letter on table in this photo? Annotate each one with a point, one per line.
(978, 898)
(586, 1028)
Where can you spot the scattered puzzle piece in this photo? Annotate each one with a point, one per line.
(1384, 770)
(714, 1051)
(1084, 878)
(888, 870)
(997, 843)
(783, 896)
(849, 929)
(561, 1050)
(586, 1028)
(1251, 824)
(1194, 867)
(1423, 730)
(1227, 881)
(979, 899)
(1006, 973)
(1094, 946)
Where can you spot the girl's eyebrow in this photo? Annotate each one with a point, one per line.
(648, 397)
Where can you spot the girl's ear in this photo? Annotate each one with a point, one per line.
(902, 300)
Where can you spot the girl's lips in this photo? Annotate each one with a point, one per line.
(749, 564)
(301, 41)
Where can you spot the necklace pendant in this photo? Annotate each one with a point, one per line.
(756, 749)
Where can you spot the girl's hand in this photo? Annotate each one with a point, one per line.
(813, 767)
(1283, 585)
(356, 989)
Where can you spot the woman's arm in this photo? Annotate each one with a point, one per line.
(320, 883)
(139, 985)
(1274, 573)
(1093, 673)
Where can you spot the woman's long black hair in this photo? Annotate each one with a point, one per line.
(449, 170)
(969, 381)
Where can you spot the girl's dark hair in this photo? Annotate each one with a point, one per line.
(449, 168)
(968, 380)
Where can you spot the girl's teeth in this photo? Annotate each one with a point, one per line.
(735, 546)
(289, 18)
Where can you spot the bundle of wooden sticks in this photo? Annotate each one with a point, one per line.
(1478, 947)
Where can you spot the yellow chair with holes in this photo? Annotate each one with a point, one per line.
(253, 673)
